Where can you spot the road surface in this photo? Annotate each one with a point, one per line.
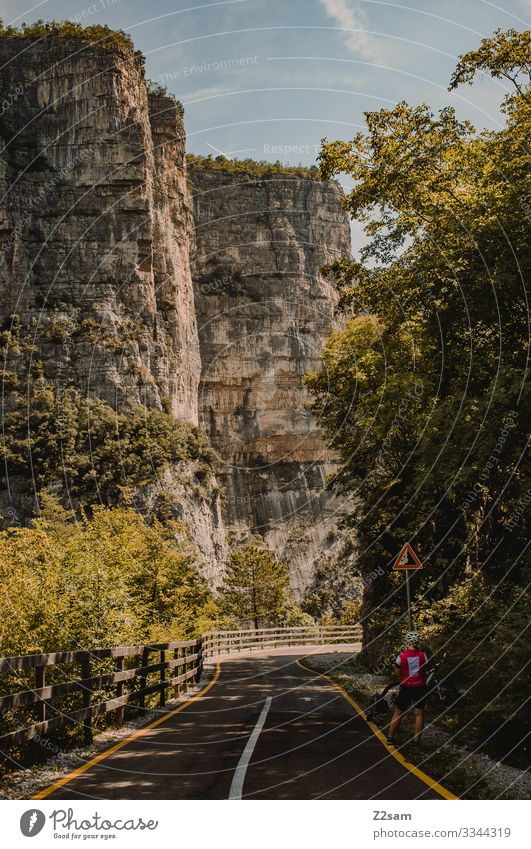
(265, 729)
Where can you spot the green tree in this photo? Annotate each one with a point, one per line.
(109, 579)
(423, 392)
(255, 588)
(505, 55)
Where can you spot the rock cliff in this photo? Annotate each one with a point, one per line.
(96, 225)
(95, 240)
(264, 310)
(99, 240)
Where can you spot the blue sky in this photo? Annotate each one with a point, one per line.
(269, 78)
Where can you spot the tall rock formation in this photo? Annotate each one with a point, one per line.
(95, 239)
(100, 328)
(264, 311)
(96, 226)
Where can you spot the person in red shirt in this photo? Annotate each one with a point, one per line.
(412, 667)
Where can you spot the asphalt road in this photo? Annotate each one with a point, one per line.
(266, 729)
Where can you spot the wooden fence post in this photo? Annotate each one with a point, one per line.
(185, 667)
(87, 692)
(162, 677)
(189, 651)
(199, 661)
(40, 681)
(143, 678)
(119, 665)
(177, 672)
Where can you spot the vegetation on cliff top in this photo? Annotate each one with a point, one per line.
(251, 167)
(99, 34)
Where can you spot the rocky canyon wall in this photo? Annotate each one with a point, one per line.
(96, 226)
(96, 233)
(264, 311)
(139, 288)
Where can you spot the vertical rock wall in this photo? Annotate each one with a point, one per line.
(96, 261)
(95, 228)
(264, 311)
(95, 239)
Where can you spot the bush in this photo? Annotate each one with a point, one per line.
(100, 34)
(251, 167)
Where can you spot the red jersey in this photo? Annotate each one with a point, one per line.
(412, 667)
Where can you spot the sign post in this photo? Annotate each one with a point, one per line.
(408, 596)
(407, 560)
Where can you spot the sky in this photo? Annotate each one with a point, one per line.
(268, 79)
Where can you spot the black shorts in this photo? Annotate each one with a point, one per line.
(409, 697)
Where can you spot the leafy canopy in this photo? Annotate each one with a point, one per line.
(423, 391)
(108, 580)
(505, 55)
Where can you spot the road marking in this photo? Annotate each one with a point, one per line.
(431, 783)
(81, 769)
(236, 788)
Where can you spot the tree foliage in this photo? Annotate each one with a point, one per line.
(112, 579)
(99, 34)
(90, 451)
(255, 588)
(79, 446)
(333, 595)
(423, 392)
(505, 55)
(251, 167)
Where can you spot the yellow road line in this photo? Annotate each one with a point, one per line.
(136, 734)
(434, 785)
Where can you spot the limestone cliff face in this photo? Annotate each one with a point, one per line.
(264, 312)
(95, 227)
(97, 254)
(95, 239)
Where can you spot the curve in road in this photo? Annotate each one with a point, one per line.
(265, 727)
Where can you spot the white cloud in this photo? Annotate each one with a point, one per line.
(350, 17)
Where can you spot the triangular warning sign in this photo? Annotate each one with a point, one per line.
(407, 559)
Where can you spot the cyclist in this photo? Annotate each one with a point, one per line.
(411, 667)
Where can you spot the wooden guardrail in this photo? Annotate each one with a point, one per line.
(185, 658)
(68, 690)
(218, 643)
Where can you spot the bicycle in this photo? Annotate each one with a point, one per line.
(383, 703)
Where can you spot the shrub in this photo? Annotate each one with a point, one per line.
(251, 167)
(100, 34)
